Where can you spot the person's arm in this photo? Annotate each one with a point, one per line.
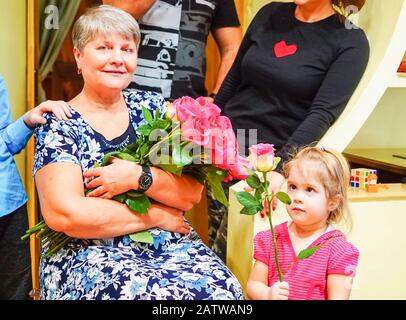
(121, 176)
(137, 8)
(228, 41)
(65, 208)
(16, 135)
(339, 286)
(233, 78)
(257, 285)
(335, 91)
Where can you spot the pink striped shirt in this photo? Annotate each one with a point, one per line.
(307, 278)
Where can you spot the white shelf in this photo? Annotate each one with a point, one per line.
(399, 80)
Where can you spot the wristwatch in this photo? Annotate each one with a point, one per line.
(145, 180)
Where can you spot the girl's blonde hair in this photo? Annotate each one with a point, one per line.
(104, 20)
(334, 173)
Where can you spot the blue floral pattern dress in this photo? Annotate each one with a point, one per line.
(175, 266)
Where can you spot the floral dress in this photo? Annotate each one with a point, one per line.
(175, 266)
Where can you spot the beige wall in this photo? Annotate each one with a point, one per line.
(13, 59)
(385, 127)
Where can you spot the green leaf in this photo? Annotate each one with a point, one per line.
(144, 149)
(214, 184)
(142, 236)
(95, 164)
(139, 204)
(125, 156)
(283, 197)
(144, 129)
(147, 115)
(258, 193)
(134, 194)
(107, 156)
(307, 252)
(249, 211)
(170, 168)
(161, 124)
(247, 200)
(180, 157)
(253, 181)
(120, 197)
(157, 113)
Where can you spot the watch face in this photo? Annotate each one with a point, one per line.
(145, 181)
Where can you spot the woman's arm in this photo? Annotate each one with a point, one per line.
(339, 287)
(228, 41)
(65, 208)
(120, 176)
(233, 78)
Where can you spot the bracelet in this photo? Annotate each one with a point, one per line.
(213, 95)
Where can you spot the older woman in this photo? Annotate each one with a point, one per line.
(102, 262)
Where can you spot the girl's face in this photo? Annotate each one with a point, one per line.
(310, 205)
(108, 63)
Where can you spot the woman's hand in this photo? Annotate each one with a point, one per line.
(35, 116)
(116, 178)
(279, 291)
(168, 218)
(276, 181)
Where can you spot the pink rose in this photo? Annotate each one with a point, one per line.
(262, 157)
(196, 130)
(223, 143)
(186, 108)
(240, 169)
(209, 109)
(171, 111)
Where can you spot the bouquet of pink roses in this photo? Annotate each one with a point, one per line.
(191, 138)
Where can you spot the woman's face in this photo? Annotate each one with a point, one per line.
(107, 63)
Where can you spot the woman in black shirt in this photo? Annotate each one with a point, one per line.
(297, 67)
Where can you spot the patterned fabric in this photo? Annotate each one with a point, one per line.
(173, 267)
(172, 54)
(307, 278)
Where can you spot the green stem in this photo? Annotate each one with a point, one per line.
(65, 240)
(35, 228)
(268, 202)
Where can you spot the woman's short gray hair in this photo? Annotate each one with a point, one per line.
(104, 20)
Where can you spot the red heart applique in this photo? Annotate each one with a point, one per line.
(281, 49)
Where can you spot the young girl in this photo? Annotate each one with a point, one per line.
(317, 185)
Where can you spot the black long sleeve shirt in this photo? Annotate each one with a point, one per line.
(292, 100)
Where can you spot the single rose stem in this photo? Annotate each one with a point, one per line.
(268, 197)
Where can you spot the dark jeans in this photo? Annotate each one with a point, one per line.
(15, 262)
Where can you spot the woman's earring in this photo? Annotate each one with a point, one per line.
(79, 71)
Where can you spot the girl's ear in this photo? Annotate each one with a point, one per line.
(334, 202)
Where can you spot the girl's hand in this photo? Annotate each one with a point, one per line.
(279, 291)
(35, 116)
(168, 218)
(116, 178)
